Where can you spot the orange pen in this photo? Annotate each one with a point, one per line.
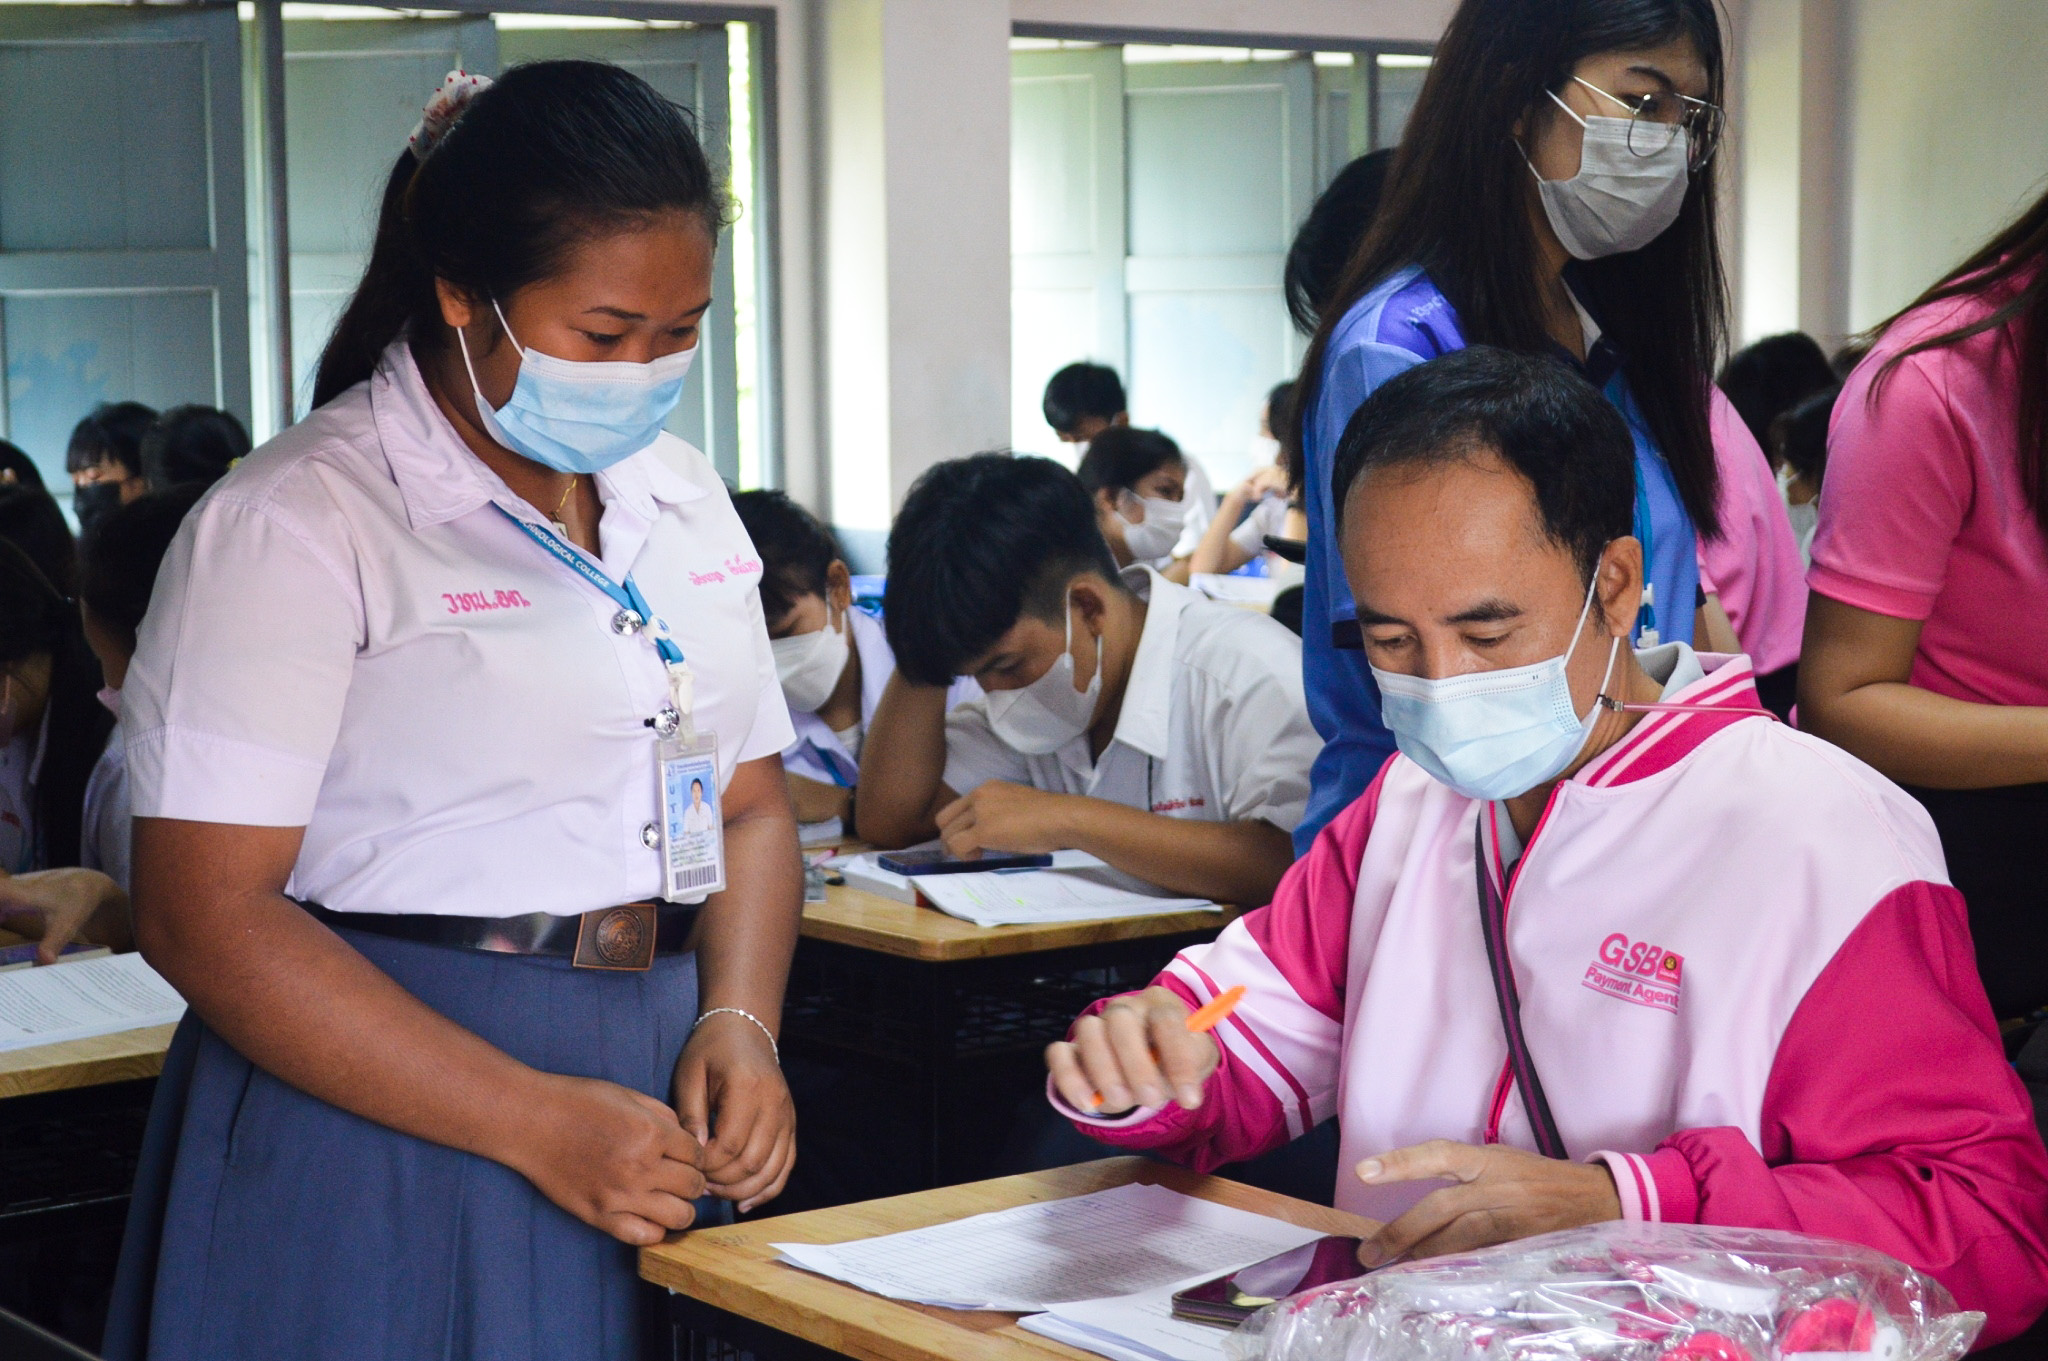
(1201, 1020)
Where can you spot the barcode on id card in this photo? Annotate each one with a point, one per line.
(698, 876)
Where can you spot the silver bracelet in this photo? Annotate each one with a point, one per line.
(773, 1048)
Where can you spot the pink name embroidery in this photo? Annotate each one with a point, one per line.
(705, 578)
(742, 567)
(471, 602)
(1636, 971)
(1175, 805)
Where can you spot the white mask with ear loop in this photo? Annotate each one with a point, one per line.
(1040, 718)
(809, 665)
(1155, 536)
(1619, 201)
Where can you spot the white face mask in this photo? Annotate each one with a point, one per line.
(809, 665)
(1265, 450)
(1619, 201)
(1493, 734)
(1045, 715)
(1155, 535)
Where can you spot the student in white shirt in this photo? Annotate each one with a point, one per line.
(1138, 480)
(832, 659)
(1083, 400)
(398, 729)
(1260, 506)
(1125, 716)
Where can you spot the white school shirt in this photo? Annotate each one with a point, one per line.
(1214, 726)
(103, 839)
(820, 754)
(350, 635)
(1198, 494)
(1269, 516)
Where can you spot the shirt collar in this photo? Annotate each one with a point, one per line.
(1723, 694)
(440, 479)
(1148, 694)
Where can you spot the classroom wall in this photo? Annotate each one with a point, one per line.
(1948, 138)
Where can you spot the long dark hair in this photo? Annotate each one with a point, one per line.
(555, 152)
(35, 618)
(2014, 261)
(1454, 204)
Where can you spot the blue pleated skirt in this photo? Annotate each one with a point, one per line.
(269, 1224)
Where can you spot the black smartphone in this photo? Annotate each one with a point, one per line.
(1229, 1300)
(935, 861)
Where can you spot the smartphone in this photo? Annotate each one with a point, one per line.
(932, 860)
(1229, 1300)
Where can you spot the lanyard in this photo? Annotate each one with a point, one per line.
(634, 612)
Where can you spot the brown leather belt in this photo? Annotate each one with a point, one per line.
(626, 937)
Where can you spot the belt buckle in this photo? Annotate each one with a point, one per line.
(616, 938)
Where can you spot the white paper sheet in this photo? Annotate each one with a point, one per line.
(1138, 1327)
(830, 832)
(1054, 895)
(75, 1000)
(1116, 1242)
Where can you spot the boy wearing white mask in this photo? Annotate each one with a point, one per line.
(831, 659)
(1125, 716)
(1139, 482)
(1692, 922)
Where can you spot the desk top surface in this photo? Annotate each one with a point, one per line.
(734, 1268)
(868, 921)
(85, 1063)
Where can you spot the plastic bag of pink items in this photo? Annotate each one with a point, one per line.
(1624, 1292)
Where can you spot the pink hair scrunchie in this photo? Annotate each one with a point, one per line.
(443, 108)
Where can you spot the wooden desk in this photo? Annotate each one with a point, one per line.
(727, 1278)
(120, 1057)
(868, 921)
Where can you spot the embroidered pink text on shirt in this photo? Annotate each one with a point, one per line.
(1636, 971)
(470, 602)
(705, 578)
(1175, 805)
(741, 567)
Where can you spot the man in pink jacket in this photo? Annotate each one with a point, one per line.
(1740, 986)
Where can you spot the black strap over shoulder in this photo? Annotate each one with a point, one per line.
(1493, 925)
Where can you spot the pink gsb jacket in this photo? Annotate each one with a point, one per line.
(1746, 983)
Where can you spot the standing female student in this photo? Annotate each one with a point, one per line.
(412, 731)
(1925, 651)
(1550, 198)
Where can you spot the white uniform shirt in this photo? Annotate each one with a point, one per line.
(350, 636)
(103, 841)
(1269, 516)
(820, 754)
(1198, 494)
(1214, 726)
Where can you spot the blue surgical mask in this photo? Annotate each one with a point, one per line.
(1492, 734)
(581, 417)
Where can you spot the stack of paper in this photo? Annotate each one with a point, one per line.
(1052, 895)
(1104, 1266)
(71, 1001)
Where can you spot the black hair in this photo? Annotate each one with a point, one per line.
(1082, 390)
(1799, 436)
(32, 522)
(35, 618)
(1765, 379)
(981, 542)
(1456, 205)
(796, 549)
(119, 558)
(2011, 271)
(1119, 457)
(14, 460)
(1330, 234)
(114, 431)
(1541, 419)
(554, 153)
(192, 444)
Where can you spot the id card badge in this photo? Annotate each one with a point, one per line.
(692, 824)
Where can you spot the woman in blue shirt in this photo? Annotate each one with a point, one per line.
(1549, 196)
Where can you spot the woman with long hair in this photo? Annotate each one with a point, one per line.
(478, 1006)
(1927, 629)
(1551, 196)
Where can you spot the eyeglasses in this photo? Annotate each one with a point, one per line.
(1656, 120)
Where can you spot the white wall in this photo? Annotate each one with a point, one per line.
(1949, 137)
(1300, 20)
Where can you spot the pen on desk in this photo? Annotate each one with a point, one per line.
(1201, 1020)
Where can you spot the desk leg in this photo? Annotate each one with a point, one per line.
(702, 1332)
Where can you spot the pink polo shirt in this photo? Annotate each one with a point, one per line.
(1923, 516)
(1754, 567)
